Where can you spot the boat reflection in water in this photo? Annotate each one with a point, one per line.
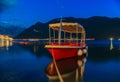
(67, 70)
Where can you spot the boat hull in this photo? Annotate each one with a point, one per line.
(62, 53)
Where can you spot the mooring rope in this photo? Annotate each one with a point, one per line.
(58, 72)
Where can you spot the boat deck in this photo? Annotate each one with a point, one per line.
(66, 45)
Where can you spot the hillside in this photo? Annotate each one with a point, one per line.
(10, 30)
(39, 30)
(96, 27)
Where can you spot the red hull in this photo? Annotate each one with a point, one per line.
(61, 52)
(58, 53)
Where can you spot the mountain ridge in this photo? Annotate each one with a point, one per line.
(96, 27)
(10, 30)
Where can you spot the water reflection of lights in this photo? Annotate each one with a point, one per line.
(111, 43)
(71, 70)
(5, 41)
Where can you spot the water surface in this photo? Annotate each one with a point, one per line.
(28, 63)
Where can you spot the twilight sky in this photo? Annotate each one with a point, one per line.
(28, 12)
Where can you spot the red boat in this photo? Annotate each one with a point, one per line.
(71, 44)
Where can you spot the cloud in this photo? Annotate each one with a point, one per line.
(5, 4)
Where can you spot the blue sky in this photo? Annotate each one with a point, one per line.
(28, 12)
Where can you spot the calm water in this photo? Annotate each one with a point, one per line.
(28, 63)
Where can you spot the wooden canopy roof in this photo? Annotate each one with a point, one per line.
(68, 27)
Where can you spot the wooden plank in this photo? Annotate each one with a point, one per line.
(61, 46)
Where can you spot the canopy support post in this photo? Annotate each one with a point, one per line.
(64, 36)
(54, 35)
(84, 37)
(60, 30)
(49, 36)
(70, 37)
(77, 36)
(81, 38)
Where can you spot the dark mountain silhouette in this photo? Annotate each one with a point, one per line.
(96, 27)
(39, 30)
(10, 30)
